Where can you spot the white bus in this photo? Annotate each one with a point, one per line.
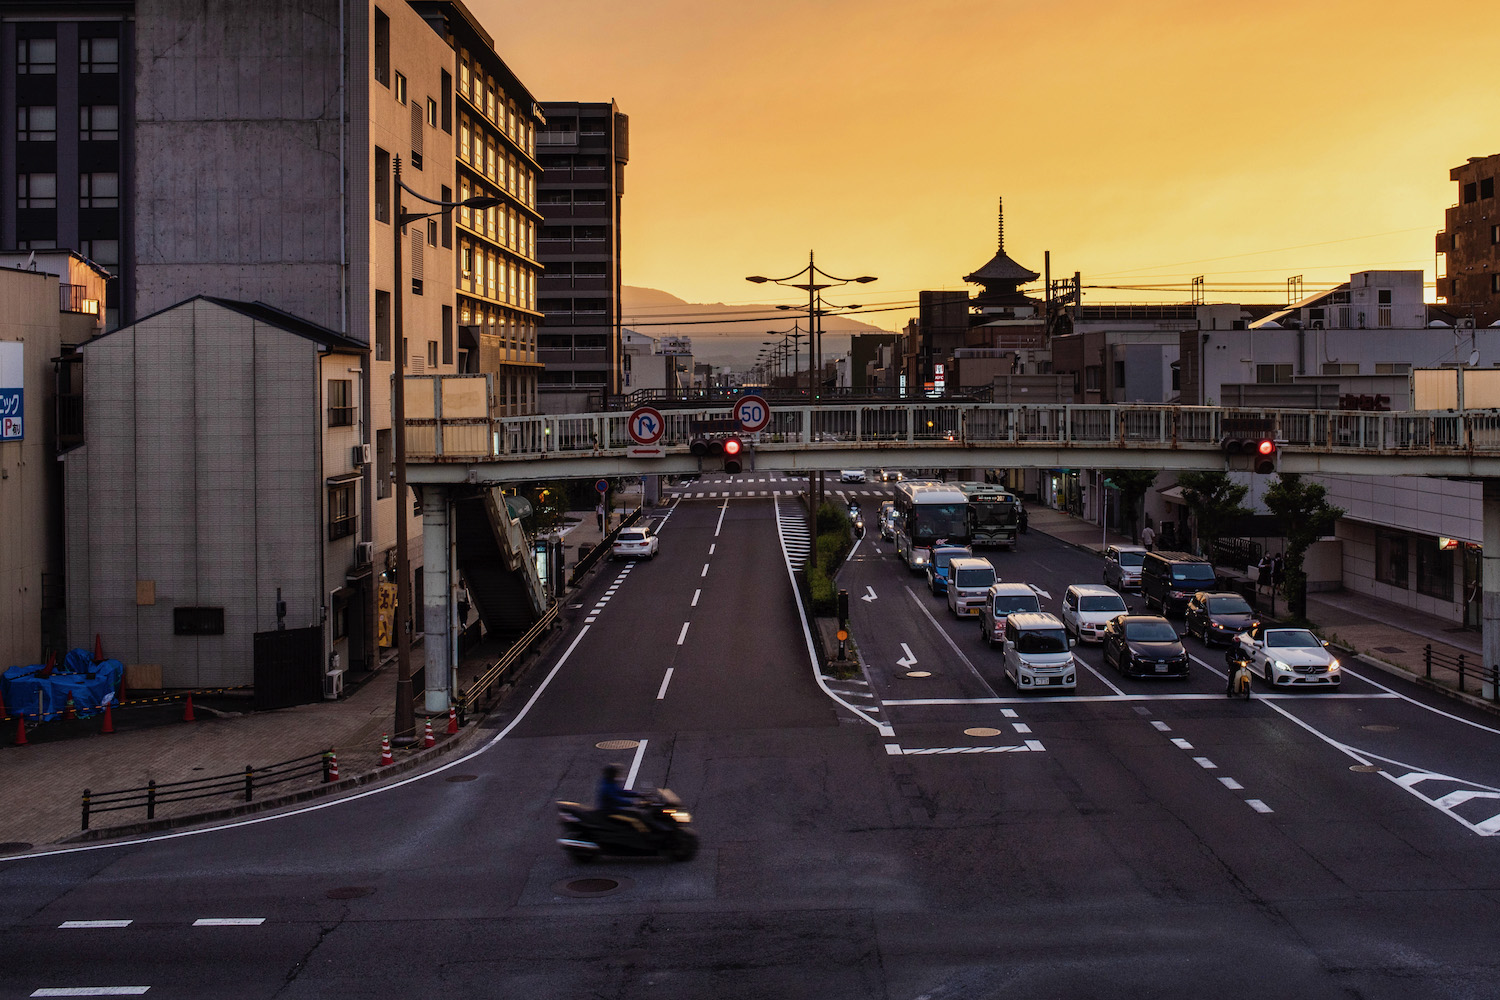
(928, 513)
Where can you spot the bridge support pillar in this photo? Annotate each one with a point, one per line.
(437, 597)
(1490, 581)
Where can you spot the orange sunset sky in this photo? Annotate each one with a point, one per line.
(1139, 142)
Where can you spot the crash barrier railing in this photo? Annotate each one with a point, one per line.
(599, 551)
(152, 794)
(1463, 667)
(485, 682)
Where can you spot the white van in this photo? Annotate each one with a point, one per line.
(1038, 652)
(1004, 600)
(969, 582)
(1088, 609)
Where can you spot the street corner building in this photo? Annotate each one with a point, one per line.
(210, 506)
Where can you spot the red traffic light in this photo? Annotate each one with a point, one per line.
(1266, 447)
(1265, 457)
(732, 446)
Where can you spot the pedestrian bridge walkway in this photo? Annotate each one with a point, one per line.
(480, 449)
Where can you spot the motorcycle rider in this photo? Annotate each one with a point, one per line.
(613, 801)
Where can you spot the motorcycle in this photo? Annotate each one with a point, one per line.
(859, 526)
(1237, 684)
(657, 825)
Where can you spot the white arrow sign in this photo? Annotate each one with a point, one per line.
(870, 596)
(1040, 592)
(908, 660)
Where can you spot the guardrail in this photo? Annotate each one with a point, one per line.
(1462, 667)
(599, 551)
(152, 794)
(484, 683)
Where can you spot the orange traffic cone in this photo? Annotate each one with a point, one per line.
(98, 649)
(333, 766)
(428, 740)
(452, 720)
(70, 711)
(187, 709)
(385, 750)
(20, 730)
(108, 726)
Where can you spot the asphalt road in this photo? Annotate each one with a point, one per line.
(1139, 838)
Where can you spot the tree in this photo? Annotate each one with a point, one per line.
(1305, 516)
(1214, 500)
(1132, 485)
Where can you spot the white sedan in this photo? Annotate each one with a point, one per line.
(1287, 657)
(635, 543)
(852, 476)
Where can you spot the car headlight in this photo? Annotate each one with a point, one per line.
(1333, 666)
(1280, 666)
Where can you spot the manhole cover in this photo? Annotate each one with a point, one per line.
(586, 888)
(11, 846)
(919, 673)
(461, 777)
(1389, 649)
(618, 744)
(981, 731)
(1380, 728)
(350, 891)
(1365, 768)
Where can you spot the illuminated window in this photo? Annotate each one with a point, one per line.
(400, 88)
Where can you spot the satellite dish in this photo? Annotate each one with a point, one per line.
(1473, 358)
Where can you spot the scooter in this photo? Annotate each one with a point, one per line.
(658, 825)
(1237, 684)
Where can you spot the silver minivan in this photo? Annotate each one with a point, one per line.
(1122, 566)
(969, 582)
(1038, 653)
(1088, 609)
(1004, 600)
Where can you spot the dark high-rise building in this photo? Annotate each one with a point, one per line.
(1470, 240)
(583, 150)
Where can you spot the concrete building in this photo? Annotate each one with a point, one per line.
(1470, 243)
(53, 302)
(583, 151)
(253, 158)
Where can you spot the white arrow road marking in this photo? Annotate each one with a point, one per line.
(1040, 592)
(870, 596)
(908, 660)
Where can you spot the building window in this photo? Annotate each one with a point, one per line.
(382, 326)
(342, 518)
(382, 185)
(101, 251)
(197, 621)
(432, 354)
(382, 48)
(1335, 368)
(340, 403)
(36, 56)
(1393, 368)
(447, 335)
(590, 196)
(447, 98)
(38, 124)
(1494, 235)
(385, 465)
(1390, 559)
(1487, 187)
(1495, 282)
(1273, 374)
(99, 55)
(36, 191)
(432, 232)
(1434, 569)
(1471, 192)
(99, 123)
(400, 89)
(99, 190)
(338, 615)
(432, 113)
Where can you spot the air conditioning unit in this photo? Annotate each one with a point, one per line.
(1464, 323)
(333, 682)
(361, 454)
(363, 553)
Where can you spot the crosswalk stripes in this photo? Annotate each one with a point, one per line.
(791, 524)
(1475, 806)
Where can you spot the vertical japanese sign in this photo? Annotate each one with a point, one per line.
(12, 383)
(385, 614)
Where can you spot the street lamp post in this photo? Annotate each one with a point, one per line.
(405, 725)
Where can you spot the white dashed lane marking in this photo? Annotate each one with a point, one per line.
(85, 924)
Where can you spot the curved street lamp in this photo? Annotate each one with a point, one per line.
(405, 725)
(814, 288)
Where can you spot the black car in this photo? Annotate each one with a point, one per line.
(1216, 616)
(1145, 646)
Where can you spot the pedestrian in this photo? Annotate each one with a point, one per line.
(599, 513)
(1278, 570)
(1264, 571)
(462, 598)
(1148, 537)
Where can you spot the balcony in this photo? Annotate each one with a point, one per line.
(74, 299)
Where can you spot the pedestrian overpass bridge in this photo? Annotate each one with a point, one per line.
(925, 434)
(459, 452)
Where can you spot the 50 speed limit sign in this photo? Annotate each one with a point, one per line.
(753, 413)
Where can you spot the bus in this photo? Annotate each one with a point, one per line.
(994, 514)
(928, 513)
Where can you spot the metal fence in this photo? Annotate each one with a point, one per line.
(153, 794)
(1461, 669)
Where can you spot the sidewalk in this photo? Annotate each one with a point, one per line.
(44, 780)
(1383, 634)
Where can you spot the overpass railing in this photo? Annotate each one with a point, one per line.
(930, 424)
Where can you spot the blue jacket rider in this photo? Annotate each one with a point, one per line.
(612, 796)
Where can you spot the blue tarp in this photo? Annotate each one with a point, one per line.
(41, 698)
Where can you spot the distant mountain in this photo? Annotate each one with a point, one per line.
(728, 335)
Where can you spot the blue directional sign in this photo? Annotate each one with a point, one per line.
(12, 391)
